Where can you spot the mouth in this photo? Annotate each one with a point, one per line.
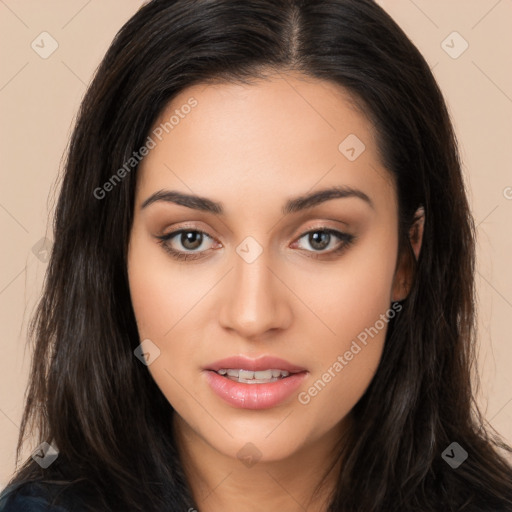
(242, 368)
(254, 383)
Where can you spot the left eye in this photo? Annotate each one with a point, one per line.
(320, 239)
(192, 240)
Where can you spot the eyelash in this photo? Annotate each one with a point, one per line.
(346, 238)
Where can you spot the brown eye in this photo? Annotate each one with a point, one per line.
(184, 244)
(321, 239)
(190, 241)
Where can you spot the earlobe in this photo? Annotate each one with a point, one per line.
(405, 269)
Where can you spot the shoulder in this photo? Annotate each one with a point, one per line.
(27, 497)
(33, 497)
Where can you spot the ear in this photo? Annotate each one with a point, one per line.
(404, 272)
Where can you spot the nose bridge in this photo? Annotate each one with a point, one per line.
(254, 303)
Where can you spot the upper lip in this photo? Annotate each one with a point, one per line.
(259, 364)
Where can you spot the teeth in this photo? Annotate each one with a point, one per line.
(266, 374)
(245, 374)
(253, 377)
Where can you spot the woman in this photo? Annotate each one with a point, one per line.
(261, 290)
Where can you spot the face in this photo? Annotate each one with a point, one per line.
(255, 270)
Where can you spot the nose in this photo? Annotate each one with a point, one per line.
(257, 299)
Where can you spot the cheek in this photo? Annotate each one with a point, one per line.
(356, 308)
(348, 296)
(161, 293)
(166, 303)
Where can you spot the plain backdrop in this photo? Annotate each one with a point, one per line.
(467, 44)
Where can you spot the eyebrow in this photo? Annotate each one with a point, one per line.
(293, 205)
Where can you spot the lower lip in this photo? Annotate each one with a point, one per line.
(254, 396)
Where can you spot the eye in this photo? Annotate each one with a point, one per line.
(189, 239)
(322, 238)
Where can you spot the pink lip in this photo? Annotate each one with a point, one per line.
(254, 396)
(262, 363)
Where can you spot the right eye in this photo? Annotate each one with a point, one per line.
(189, 239)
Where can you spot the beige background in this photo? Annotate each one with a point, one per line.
(39, 99)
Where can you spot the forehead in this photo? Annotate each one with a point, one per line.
(284, 134)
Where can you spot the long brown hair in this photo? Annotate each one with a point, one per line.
(89, 396)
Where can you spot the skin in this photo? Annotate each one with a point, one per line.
(252, 147)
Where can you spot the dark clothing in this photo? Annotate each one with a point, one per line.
(37, 497)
